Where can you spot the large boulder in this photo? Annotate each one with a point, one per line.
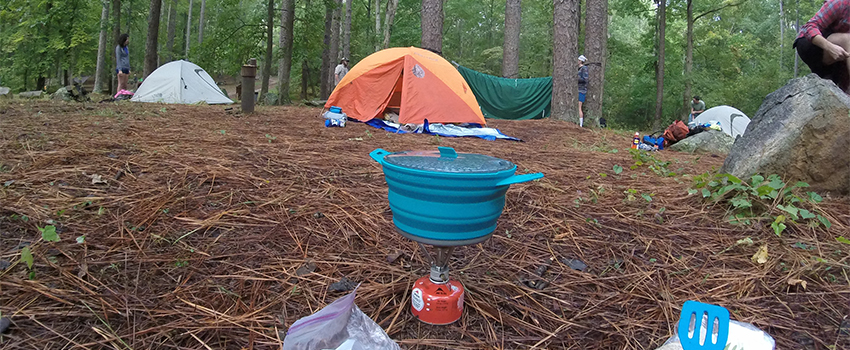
(711, 141)
(30, 94)
(801, 132)
(63, 94)
(4, 91)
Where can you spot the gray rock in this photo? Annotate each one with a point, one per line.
(4, 91)
(802, 132)
(344, 285)
(30, 94)
(711, 141)
(62, 94)
(270, 99)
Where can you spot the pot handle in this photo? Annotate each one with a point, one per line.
(447, 152)
(378, 155)
(519, 178)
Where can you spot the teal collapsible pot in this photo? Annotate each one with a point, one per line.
(445, 198)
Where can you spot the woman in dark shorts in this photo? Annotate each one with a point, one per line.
(824, 42)
(122, 58)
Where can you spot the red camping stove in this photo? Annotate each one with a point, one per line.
(437, 299)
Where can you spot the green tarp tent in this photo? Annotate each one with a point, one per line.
(504, 98)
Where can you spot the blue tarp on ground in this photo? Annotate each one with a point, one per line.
(447, 130)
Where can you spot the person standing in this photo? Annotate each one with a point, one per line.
(824, 43)
(340, 71)
(122, 56)
(583, 78)
(697, 107)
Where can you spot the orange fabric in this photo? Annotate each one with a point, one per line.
(431, 88)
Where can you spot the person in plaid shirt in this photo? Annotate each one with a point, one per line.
(824, 42)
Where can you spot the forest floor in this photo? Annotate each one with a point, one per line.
(184, 227)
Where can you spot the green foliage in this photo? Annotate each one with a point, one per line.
(26, 256)
(618, 169)
(657, 166)
(761, 199)
(48, 233)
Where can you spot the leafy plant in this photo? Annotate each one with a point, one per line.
(617, 169)
(48, 233)
(762, 199)
(657, 166)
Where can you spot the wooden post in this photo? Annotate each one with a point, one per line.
(249, 73)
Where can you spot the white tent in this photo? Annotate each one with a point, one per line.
(180, 82)
(732, 121)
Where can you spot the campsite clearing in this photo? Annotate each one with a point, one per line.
(185, 227)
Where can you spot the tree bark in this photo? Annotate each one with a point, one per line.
(324, 83)
(100, 75)
(201, 22)
(116, 32)
(188, 30)
(284, 67)
(432, 25)
(377, 24)
(510, 48)
(388, 23)
(152, 44)
(689, 58)
(596, 46)
(781, 36)
(172, 28)
(659, 67)
(267, 63)
(564, 76)
(346, 31)
(305, 78)
(334, 49)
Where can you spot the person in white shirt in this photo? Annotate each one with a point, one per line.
(340, 71)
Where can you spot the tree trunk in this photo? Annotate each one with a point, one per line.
(596, 46)
(334, 49)
(377, 24)
(781, 36)
(689, 58)
(101, 75)
(189, 31)
(201, 22)
(388, 23)
(151, 45)
(267, 63)
(129, 14)
(659, 67)
(305, 78)
(432, 25)
(284, 66)
(116, 32)
(346, 31)
(797, 25)
(510, 48)
(172, 28)
(324, 83)
(564, 76)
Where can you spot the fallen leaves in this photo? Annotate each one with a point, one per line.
(795, 281)
(761, 255)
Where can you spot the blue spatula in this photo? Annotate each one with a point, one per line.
(697, 310)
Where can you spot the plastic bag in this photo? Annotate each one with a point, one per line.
(339, 326)
(742, 336)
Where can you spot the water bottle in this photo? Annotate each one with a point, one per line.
(636, 141)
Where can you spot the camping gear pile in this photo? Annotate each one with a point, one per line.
(445, 199)
(180, 82)
(721, 118)
(335, 117)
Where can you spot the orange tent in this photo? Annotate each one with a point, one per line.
(420, 83)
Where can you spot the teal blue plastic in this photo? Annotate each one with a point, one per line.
(695, 309)
(447, 207)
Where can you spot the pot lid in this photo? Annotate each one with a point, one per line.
(446, 160)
